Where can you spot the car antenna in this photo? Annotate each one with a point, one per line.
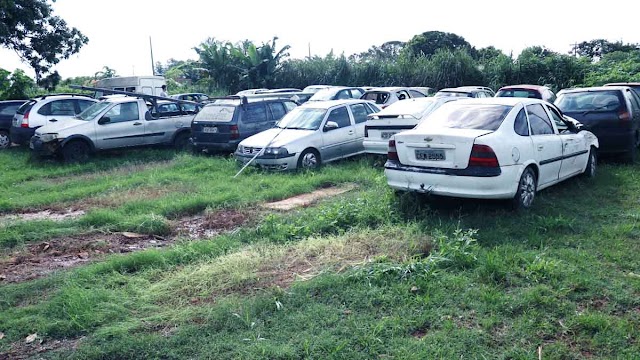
(259, 153)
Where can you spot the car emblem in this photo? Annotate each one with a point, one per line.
(428, 139)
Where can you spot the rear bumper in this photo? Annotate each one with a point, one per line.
(376, 146)
(439, 182)
(20, 135)
(215, 147)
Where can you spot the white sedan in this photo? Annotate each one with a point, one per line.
(492, 148)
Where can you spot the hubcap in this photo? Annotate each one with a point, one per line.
(527, 189)
(309, 160)
(4, 141)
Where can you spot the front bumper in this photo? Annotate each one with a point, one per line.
(20, 135)
(288, 162)
(445, 183)
(43, 149)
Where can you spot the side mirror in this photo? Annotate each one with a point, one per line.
(330, 125)
(104, 120)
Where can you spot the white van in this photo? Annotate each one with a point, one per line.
(150, 85)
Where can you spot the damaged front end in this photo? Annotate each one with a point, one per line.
(45, 144)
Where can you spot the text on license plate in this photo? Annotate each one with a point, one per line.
(210, 129)
(430, 154)
(387, 134)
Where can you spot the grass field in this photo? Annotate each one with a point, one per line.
(364, 275)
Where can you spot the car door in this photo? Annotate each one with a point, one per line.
(574, 151)
(254, 119)
(359, 113)
(58, 110)
(546, 144)
(162, 126)
(277, 111)
(335, 141)
(124, 127)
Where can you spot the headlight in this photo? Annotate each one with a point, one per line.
(240, 149)
(276, 151)
(48, 137)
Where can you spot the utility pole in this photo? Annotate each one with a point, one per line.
(153, 68)
(309, 50)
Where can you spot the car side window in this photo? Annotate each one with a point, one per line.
(124, 112)
(290, 105)
(83, 104)
(557, 118)
(255, 113)
(356, 93)
(520, 125)
(416, 94)
(340, 116)
(635, 100)
(359, 112)
(540, 123)
(402, 95)
(63, 107)
(277, 110)
(343, 94)
(9, 109)
(371, 109)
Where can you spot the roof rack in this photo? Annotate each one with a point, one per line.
(244, 99)
(151, 98)
(64, 94)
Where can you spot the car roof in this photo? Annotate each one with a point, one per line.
(387, 88)
(332, 103)
(594, 89)
(524, 86)
(508, 101)
(623, 84)
(62, 96)
(459, 90)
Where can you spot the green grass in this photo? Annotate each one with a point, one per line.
(379, 276)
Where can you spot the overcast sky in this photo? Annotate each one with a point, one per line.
(119, 30)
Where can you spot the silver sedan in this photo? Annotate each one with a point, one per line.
(310, 135)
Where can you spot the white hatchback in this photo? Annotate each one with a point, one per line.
(492, 148)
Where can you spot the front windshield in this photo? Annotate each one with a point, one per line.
(92, 111)
(303, 119)
(324, 94)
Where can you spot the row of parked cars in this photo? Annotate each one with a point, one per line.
(460, 142)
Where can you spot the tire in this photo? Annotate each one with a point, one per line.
(592, 164)
(526, 190)
(181, 141)
(5, 141)
(76, 151)
(309, 159)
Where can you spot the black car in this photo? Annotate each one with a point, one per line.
(221, 125)
(612, 113)
(8, 108)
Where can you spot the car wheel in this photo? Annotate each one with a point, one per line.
(75, 152)
(309, 159)
(4, 140)
(526, 190)
(592, 164)
(181, 141)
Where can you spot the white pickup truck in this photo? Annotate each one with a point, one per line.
(116, 122)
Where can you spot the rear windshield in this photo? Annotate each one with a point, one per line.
(26, 107)
(592, 101)
(416, 109)
(467, 116)
(215, 112)
(519, 93)
(377, 97)
(454, 93)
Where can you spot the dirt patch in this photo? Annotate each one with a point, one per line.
(122, 170)
(40, 259)
(23, 350)
(307, 199)
(212, 224)
(47, 214)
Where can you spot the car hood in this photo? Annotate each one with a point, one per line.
(60, 125)
(276, 137)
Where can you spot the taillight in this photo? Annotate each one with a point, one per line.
(25, 120)
(624, 115)
(366, 131)
(392, 153)
(234, 132)
(483, 155)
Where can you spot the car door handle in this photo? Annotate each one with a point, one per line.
(540, 147)
(53, 120)
(350, 132)
(137, 123)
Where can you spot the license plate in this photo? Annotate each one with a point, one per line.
(210, 129)
(387, 134)
(431, 154)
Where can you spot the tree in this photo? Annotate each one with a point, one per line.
(387, 51)
(105, 73)
(40, 39)
(15, 86)
(596, 49)
(427, 43)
